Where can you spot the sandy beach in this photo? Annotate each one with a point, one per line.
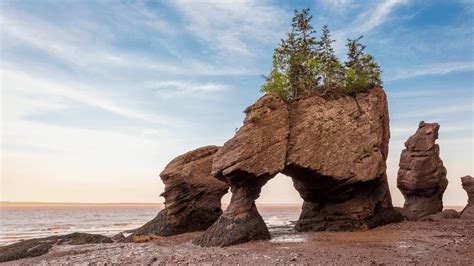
(446, 242)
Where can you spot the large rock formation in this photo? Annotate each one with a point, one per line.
(422, 176)
(192, 195)
(334, 150)
(468, 185)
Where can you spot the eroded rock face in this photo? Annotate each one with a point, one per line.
(336, 158)
(241, 221)
(335, 152)
(246, 162)
(422, 176)
(192, 195)
(468, 185)
(39, 246)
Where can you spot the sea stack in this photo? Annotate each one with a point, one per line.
(468, 185)
(192, 195)
(422, 176)
(333, 149)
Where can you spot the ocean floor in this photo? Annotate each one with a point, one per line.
(445, 242)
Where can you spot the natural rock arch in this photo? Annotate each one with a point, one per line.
(335, 152)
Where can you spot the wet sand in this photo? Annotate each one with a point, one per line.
(445, 242)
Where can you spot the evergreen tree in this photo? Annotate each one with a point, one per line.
(361, 71)
(294, 62)
(331, 68)
(300, 46)
(301, 64)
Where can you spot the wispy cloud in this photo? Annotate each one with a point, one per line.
(367, 21)
(67, 45)
(424, 114)
(32, 86)
(375, 17)
(431, 69)
(338, 7)
(416, 92)
(171, 88)
(232, 27)
(406, 130)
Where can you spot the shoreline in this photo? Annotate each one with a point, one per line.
(9, 204)
(402, 243)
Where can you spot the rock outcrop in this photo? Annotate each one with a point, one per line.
(422, 176)
(445, 214)
(246, 162)
(192, 195)
(335, 152)
(39, 246)
(468, 185)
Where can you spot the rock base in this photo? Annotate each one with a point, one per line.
(423, 206)
(199, 219)
(356, 207)
(231, 230)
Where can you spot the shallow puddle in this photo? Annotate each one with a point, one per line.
(295, 238)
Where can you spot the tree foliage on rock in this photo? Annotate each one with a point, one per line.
(302, 64)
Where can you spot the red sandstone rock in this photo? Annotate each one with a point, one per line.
(422, 176)
(335, 152)
(468, 185)
(192, 195)
(246, 162)
(336, 157)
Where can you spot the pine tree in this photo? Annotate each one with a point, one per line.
(294, 61)
(361, 71)
(354, 54)
(332, 69)
(301, 64)
(300, 45)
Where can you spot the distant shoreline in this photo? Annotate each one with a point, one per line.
(76, 204)
(146, 204)
(112, 204)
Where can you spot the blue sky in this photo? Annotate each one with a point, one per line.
(98, 96)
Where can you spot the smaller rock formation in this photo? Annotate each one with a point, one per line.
(192, 195)
(39, 246)
(468, 185)
(422, 176)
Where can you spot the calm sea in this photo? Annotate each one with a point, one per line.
(23, 222)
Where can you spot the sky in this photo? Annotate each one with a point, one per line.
(98, 96)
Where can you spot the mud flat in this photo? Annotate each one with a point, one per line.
(444, 242)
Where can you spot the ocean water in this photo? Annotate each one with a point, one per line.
(24, 222)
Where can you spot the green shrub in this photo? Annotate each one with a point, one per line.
(302, 65)
(254, 116)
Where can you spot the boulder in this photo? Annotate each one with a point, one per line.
(422, 176)
(39, 246)
(333, 149)
(406, 214)
(446, 214)
(192, 195)
(468, 186)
